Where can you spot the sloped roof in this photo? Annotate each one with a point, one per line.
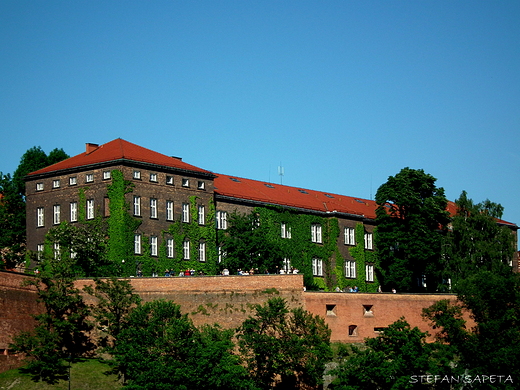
(119, 149)
(263, 192)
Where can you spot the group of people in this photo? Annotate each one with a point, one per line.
(348, 289)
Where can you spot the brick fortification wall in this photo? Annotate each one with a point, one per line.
(17, 305)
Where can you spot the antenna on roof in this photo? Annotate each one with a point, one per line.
(281, 172)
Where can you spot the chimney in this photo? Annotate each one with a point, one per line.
(91, 147)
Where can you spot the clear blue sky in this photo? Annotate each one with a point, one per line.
(342, 93)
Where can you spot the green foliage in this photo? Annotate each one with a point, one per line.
(161, 349)
(12, 224)
(284, 347)
(411, 217)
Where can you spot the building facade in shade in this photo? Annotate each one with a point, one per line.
(182, 210)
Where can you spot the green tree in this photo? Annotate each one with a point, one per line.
(393, 360)
(284, 348)
(161, 349)
(476, 241)
(12, 224)
(62, 330)
(247, 246)
(411, 217)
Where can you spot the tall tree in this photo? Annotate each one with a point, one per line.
(12, 224)
(411, 216)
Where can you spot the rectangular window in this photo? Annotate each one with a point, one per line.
(201, 185)
(202, 215)
(350, 269)
(90, 209)
(316, 233)
(73, 211)
(169, 247)
(186, 250)
(221, 220)
(369, 270)
(185, 182)
(202, 251)
(153, 177)
(57, 250)
(40, 220)
(350, 236)
(89, 177)
(73, 180)
(39, 186)
(153, 208)
(137, 206)
(286, 265)
(169, 180)
(368, 241)
(137, 175)
(317, 267)
(137, 244)
(185, 212)
(39, 250)
(153, 245)
(286, 231)
(56, 213)
(169, 210)
(55, 184)
(106, 175)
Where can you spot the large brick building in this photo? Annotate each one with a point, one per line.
(182, 210)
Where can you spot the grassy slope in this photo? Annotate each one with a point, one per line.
(87, 375)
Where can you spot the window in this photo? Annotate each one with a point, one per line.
(90, 209)
(137, 175)
(153, 177)
(137, 206)
(169, 210)
(89, 177)
(330, 310)
(352, 330)
(286, 265)
(169, 180)
(221, 220)
(137, 244)
(73, 180)
(185, 212)
(367, 311)
(39, 186)
(350, 236)
(201, 185)
(56, 214)
(286, 231)
(202, 251)
(316, 233)
(368, 241)
(185, 182)
(169, 247)
(350, 269)
(186, 250)
(39, 250)
(40, 217)
(153, 208)
(73, 211)
(153, 245)
(317, 267)
(369, 271)
(202, 215)
(57, 250)
(106, 175)
(56, 183)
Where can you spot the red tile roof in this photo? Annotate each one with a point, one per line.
(116, 150)
(263, 192)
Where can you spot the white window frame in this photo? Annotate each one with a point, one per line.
(89, 177)
(350, 236)
(286, 231)
(186, 249)
(169, 247)
(369, 241)
(286, 265)
(137, 175)
(350, 269)
(39, 251)
(201, 185)
(202, 215)
(202, 251)
(107, 175)
(169, 210)
(56, 183)
(40, 217)
(317, 266)
(153, 177)
(186, 212)
(137, 244)
(185, 182)
(169, 180)
(221, 220)
(56, 214)
(369, 272)
(137, 206)
(316, 233)
(153, 245)
(73, 180)
(153, 208)
(90, 208)
(56, 247)
(39, 187)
